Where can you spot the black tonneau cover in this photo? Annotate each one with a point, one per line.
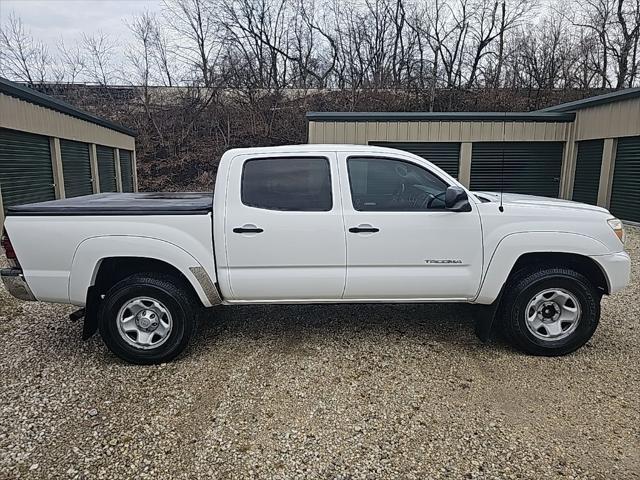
(163, 203)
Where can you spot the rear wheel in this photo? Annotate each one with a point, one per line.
(148, 318)
(550, 311)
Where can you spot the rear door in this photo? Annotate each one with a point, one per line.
(401, 242)
(284, 234)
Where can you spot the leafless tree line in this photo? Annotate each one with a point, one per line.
(350, 45)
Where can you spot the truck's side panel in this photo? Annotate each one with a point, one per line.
(46, 246)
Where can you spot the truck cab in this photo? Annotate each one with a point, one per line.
(344, 225)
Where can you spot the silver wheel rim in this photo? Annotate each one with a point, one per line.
(553, 314)
(144, 323)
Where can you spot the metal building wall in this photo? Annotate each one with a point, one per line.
(612, 120)
(608, 122)
(362, 132)
(27, 117)
(23, 116)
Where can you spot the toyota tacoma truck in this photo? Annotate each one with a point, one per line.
(317, 224)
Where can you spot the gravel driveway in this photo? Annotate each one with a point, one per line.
(321, 392)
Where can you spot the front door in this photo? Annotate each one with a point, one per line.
(401, 242)
(284, 234)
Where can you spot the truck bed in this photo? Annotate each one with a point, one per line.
(162, 203)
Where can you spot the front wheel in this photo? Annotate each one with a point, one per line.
(550, 312)
(147, 318)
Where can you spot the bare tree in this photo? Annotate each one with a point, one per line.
(625, 44)
(21, 56)
(490, 21)
(164, 56)
(72, 62)
(193, 22)
(412, 47)
(99, 50)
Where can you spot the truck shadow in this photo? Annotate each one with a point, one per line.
(451, 324)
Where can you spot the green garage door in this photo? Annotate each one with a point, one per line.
(531, 168)
(625, 192)
(26, 174)
(76, 167)
(106, 169)
(444, 155)
(587, 178)
(126, 171)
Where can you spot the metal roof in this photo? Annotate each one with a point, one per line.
(626, 94)
(32, 96)
(441, 116)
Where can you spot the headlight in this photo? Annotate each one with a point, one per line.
(617, 227)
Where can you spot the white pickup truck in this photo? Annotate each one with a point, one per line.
(317, 224)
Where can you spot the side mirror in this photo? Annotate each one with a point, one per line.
(456, 199)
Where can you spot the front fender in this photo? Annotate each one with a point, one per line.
(92, 251)
(513, 246)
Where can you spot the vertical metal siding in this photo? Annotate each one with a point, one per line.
(587, 175)
(126, 171)
(444, 155)
(76, 167)
(531, 168)
(26, 174)
(625, 192)
(611, 120)
(106, 169)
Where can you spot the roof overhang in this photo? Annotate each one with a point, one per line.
(32, 96)
(620, 95)
(440, 116)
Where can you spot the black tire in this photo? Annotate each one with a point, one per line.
(525, 285)
(172, 294)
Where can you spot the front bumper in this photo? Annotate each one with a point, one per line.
(617, 268)
(16, 284)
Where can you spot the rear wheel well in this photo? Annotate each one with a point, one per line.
(114, 269)
(580, 263)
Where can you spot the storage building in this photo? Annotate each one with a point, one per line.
(51, 150)
(588, 150)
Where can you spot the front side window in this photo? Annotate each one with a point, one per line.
(381, 184)
(287, 184)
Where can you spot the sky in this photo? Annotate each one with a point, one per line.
(51, 20)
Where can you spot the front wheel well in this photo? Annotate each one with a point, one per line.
(580, 263)
(114, 269)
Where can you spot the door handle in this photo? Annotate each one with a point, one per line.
(363, 229)
(247, 230)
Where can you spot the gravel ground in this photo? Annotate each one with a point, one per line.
(321, 392)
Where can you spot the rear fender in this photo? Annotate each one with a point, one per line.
(92, 251)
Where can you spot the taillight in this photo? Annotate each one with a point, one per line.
(9, 251)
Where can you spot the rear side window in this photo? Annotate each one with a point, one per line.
(287, 184)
